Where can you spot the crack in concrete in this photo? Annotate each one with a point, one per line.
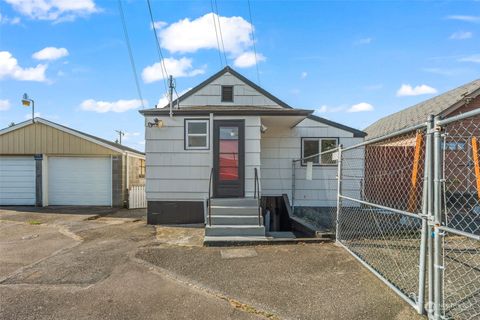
(236, 304)
(61, 229)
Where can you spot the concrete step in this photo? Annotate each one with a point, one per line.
(234, 211)
(235, 202)
(236, 220)
(238, 231)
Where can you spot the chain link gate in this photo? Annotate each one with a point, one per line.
(408, 209)
(458, 199)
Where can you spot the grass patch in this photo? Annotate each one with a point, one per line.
(34, 222)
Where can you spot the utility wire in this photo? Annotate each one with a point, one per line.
(130, 53)
(216, 34)
(221, 36)
(253, 39)
(159, 48)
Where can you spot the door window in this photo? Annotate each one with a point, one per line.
(228, 153)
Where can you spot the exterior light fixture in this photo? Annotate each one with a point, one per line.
(26, 102)
(156, 123)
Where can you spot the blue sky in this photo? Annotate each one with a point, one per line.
(336, 57)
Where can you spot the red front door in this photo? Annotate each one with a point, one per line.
(229, 155)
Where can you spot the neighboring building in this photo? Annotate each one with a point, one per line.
(396, 155)
(231, 127)
(43, 163)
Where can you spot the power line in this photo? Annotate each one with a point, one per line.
(130, 53)
(216, 34)
(253, 39)
(221, 36)
(159, 48)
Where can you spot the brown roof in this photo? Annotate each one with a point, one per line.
(418, 113)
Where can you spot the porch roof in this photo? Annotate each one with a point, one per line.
(227, 110)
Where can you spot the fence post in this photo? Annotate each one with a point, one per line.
(430, 178)
(437, 215)
(339, 192)
(425, 235)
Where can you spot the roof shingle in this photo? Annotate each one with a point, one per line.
(418, 113)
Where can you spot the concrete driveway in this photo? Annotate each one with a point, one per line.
(94, 263)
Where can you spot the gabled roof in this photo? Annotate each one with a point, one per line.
(103, 142)
(356, 133)
(239, 76)
(439, 105)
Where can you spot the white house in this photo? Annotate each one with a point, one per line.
(219, 136)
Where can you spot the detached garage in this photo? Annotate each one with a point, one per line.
(43, 163)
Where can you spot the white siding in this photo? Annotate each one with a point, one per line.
(174, 173)
(279, 146)
(243, 94)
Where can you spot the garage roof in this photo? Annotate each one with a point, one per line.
(103, 142)
(439, 105)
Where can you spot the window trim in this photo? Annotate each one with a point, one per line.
(186, 135)
(319, 139)
(221, 93)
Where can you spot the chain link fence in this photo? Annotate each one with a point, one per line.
(409, 210)
(460, 212)
(380, 203)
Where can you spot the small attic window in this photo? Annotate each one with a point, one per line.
(227, 93)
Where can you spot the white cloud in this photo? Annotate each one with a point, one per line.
(464, 18)
(363, 41)
(163, 101)
(159, 24)
(115, 106)
(247, 59)
(191, 35)
(360, 107)
(141, 142)
(461, 35)
(7, 20)
(473, 58)
(4, 105)
(176, 67)
(408, 90)
(328, 109)
(303, 75)
(9, 68)
(59, 10)
(50, 53)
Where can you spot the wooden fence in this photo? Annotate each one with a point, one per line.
(137, 197)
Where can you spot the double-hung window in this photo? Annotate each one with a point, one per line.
(311, 147)
(196, 134)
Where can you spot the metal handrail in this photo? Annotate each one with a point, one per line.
(256, 195)
(210, 198)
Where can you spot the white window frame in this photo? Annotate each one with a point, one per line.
(206, 134)
(319, 140)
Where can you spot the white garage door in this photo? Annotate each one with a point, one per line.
(17, 181)
(79, 181)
